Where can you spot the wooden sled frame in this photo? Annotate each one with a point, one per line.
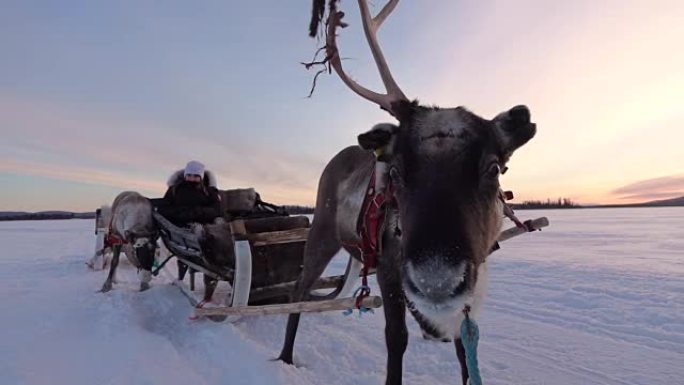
(184, 246)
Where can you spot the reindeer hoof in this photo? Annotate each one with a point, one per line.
(106, 287)
(285, 359)
(144, 286)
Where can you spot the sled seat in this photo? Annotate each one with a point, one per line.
(179, 240)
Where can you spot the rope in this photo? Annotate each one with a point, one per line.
(470, 335)
(362, 292)
(160, 266)
(508, 210)
(370, 227)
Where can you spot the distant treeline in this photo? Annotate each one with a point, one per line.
(294, 209)
(560, 203)
(45, 216)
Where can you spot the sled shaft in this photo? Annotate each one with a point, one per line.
(535, 224)
(297, 307)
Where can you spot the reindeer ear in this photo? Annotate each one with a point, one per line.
(378, 137)
(514, 127)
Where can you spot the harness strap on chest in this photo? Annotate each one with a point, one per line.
(370, 227)
(113, 240)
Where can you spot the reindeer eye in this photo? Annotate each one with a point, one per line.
(494, 170)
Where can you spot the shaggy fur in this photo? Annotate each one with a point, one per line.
(177, 177)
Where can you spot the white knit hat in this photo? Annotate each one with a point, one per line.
(194, 168)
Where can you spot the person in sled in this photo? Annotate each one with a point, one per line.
(192, 196)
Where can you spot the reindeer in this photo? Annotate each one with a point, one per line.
(98, 261)
(441, 167)
(132, 225)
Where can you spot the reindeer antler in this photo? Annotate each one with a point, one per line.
(370, 28)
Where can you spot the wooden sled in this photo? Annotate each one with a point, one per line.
(268, 259)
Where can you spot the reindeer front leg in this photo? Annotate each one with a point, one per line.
(461, 354)
(396, 334)
(107, 286)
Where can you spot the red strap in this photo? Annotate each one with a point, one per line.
(373, 215)
(113, 240)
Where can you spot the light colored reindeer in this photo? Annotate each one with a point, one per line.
(131, 224)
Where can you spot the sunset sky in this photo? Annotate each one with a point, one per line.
(97, 97)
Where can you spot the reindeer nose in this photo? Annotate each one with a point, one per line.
(435, 280)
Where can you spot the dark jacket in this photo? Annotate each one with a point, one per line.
(188, 202)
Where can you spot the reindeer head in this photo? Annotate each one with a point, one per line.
(444, 166)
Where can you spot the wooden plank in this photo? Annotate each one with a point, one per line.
(277, 237)
(285, 288)
(264, 225)
(274, 264)
(536, 224)
(297, 307)
(237, 228)
(226, 275)
(242, 278)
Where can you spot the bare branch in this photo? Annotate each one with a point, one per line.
(313, 84)
(313, 61)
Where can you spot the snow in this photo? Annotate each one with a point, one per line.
(597, 298)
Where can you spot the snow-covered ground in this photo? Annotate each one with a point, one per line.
(597, 298)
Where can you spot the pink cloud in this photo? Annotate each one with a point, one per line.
(656, 188)
(81, 174)
(76, 144)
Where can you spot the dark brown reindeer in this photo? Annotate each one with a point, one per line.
(443, 167)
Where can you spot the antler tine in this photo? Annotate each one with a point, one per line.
(370, 27)
(384, 12)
